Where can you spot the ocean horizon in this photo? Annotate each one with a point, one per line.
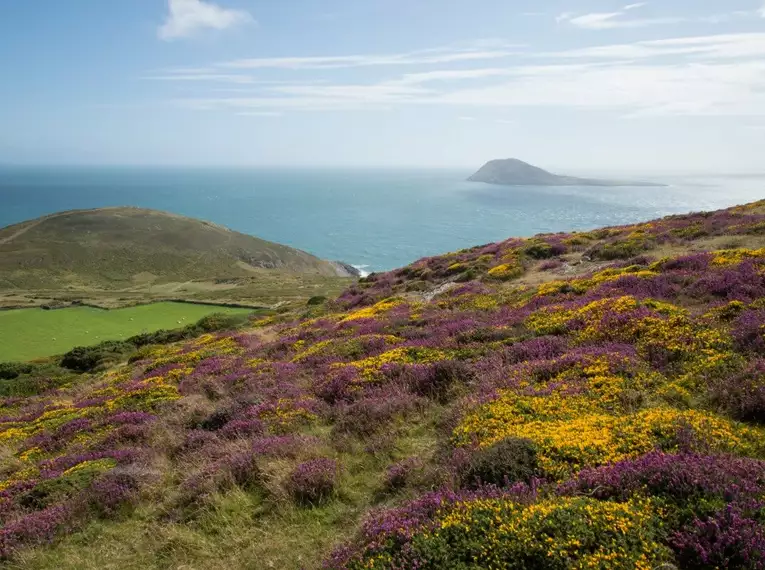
(375, 219)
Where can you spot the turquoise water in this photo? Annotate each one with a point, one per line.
(373, 218)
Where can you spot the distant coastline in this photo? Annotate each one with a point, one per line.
(382, 219)
(514, 172)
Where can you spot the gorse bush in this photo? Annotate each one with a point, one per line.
(495, 531)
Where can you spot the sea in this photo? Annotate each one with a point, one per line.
(373, 219)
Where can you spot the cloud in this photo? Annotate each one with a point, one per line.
(204, 77)
(762, 10)
(452, 75)
(728, 88)
(188, 17)
(715, 75)
(614, 20)
(466, 118)
(350, 61)
(721, 46)
(623, 18)
(632, 90)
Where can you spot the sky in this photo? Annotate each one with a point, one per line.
(581, 85)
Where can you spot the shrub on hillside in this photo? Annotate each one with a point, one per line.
(749, 331)
(313, 481)
(508, 461)
(400, 474)
(551, 265)
(433, 381)
(537, 249)
(237, 469)
(220, 322)
(19, 379)
(621, 249)
(12, 370)
(742, 395)
(731, 538)
(88, 358)
(374, 412)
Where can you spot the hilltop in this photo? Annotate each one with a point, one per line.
(118, 246)
(140, 254)
(603, 390)
(514, 172)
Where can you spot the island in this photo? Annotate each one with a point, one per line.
(514, 172)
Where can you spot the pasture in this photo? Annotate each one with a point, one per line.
(26, 334)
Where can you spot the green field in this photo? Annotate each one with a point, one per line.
(26, 334)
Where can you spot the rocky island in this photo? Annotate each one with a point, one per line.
(514, 172)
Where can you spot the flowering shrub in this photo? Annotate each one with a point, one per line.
(742, 395)
(313, 481)
(400, 474)
(628, 396)
(731, 538)
(569, 433)
(501, 532)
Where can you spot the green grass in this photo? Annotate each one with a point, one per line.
(26, 334)
(241, 529)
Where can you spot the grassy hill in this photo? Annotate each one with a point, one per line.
(116, 257)
(584, 400)
(115, 247)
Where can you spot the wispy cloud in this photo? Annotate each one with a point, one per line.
(612, 20)
(187, 17)
(720, 46)
(624, 18)
(203, 77)
(703, 75)
(440, 55)
(762, 10)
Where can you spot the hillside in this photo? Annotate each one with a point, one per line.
(113, 247)
(583, 400)
(514, 172)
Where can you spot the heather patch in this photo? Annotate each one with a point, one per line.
(578, 402)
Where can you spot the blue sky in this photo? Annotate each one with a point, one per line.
(586, 85)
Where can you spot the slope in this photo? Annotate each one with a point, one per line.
(112, 247)
(608, 384)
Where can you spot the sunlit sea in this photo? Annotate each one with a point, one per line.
(374, 219)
